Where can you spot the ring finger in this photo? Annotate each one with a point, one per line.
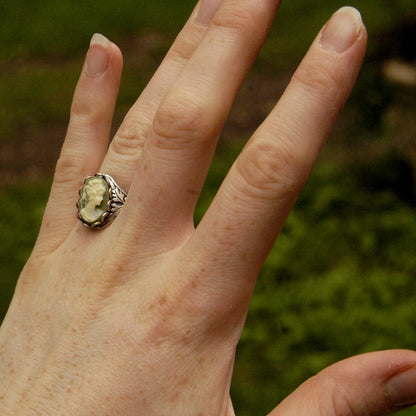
(181, 142)
(125, 149)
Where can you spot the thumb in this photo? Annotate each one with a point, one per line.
(377, 383)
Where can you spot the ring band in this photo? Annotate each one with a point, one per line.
(100, 199)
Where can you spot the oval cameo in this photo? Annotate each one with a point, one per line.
(93, 200)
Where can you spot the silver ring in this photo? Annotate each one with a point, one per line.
(100, 199)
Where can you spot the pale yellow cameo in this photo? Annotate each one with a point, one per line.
(93, 200)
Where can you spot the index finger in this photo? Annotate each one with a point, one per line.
(258, 193)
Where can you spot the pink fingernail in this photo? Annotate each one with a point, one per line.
(98, 55)
(342, 30)
(401, 388)
(207, 11)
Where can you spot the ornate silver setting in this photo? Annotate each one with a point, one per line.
(100, 199)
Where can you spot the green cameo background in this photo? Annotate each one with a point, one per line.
(93, 200)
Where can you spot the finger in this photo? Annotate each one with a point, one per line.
(125, 149)
(374, 384)
(87, 137)
(180, 145)
(252, 205)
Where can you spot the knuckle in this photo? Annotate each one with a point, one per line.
(171, 319)
(267, 171)
(129, 139)
(318, 80)
(68, 166)
(84, 111)
(178, 123)
(239, 21)
(30, 277)
(183, 49)
(337, 399)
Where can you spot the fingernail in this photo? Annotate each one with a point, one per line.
(98, 55)
(401, 389)
(207, 11)
(342, 30)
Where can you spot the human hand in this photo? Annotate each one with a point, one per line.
(143, 318)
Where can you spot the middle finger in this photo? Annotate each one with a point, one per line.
(180, 145)
(125, 149)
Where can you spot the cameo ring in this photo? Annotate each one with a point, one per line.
(100, 199)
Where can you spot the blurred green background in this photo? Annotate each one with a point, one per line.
(341, 279)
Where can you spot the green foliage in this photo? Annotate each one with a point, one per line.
(59, 28)
(50, 28)
(28, 104)
(21, 208)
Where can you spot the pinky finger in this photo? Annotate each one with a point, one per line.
(86, 141)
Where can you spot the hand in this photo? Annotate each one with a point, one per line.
(143, 318)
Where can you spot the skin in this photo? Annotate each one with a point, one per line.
(143, 318)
